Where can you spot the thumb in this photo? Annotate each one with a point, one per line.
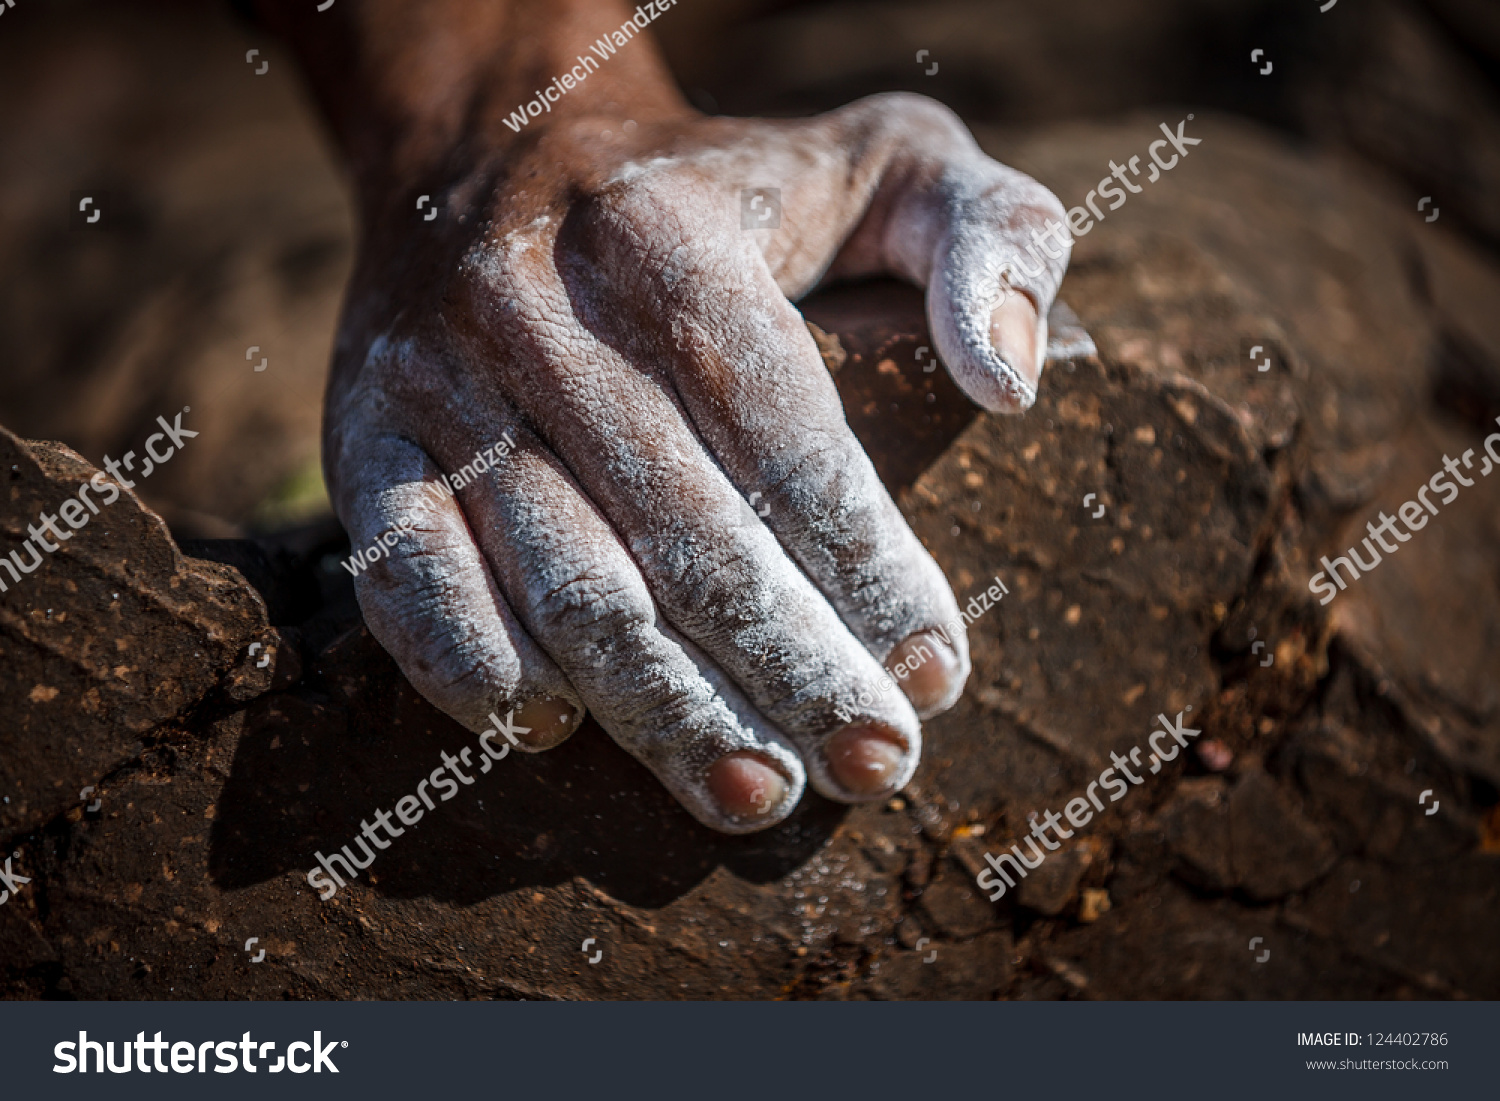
(989, 244)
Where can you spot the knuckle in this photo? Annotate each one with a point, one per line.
(629, 201)
(503, 285)
(620, 210)
(913, 113)
(639, 226)
(594, 614)
(501, 280)
(710, 580)
(825, 478)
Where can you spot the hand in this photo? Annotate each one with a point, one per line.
(589, 293)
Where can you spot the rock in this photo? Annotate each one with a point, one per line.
(1196, 824)
(110, 642)
(221, 779)
(975, 970)
(1173, 945)
(1379, 914)
(1051, 887)
(1250, 836)
(1274, 849)
(955, 905)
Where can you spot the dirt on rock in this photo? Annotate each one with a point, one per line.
(188, 723)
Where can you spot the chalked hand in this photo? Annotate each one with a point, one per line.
(595, 291)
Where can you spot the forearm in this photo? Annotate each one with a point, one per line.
(418, 92)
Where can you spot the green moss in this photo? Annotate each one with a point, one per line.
(300, 497)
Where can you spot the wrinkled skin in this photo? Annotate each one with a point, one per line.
(589, 291)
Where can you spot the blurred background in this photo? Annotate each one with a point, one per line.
(1340, 215)
(227, 224)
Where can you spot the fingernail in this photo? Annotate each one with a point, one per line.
(545, 721)
(865, 759)
(928, 671)
(745, 786)
(1013, 331)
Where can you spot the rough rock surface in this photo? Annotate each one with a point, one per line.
(217, 778)
(1313, 838)
(110, 643)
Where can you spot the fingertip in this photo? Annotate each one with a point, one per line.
(747, 789)
(545, 721)
(868, 760)
(930, 672)
(993, 351)
(1016, 335)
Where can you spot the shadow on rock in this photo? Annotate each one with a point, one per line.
(315, 764)
(312, 767)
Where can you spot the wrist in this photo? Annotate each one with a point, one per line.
(423, 93)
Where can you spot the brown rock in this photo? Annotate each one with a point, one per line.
(1251, 836)
(1051, 887)
(975, 970)
(112, 638)
(1274, 849)
(1196, 824)
(955, 905)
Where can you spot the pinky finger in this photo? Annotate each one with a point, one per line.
(429, 598)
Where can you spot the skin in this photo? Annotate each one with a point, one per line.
(588, 290)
